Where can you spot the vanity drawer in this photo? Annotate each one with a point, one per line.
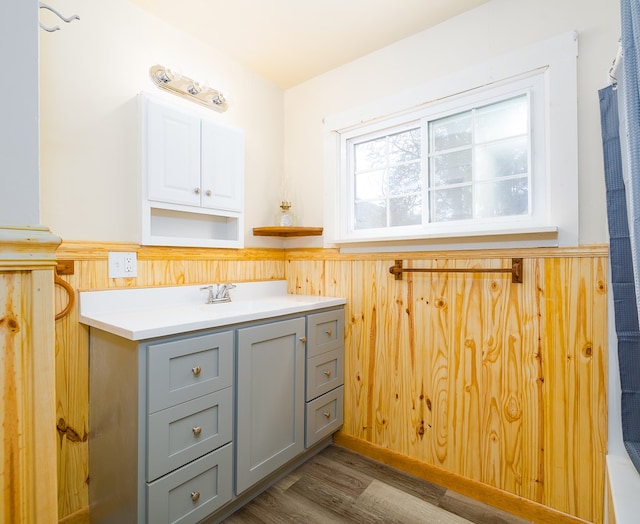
(325, 372)
(324, 416)
(182, 433)
(325, 331)
(193, 492)
(184, 369)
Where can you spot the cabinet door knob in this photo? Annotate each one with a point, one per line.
(208, 192)
(196, 371)
(303, 340)
(327, 373)
(195, 496)
(327, 414)
(196, 190)
(197, 430)
(329, 332)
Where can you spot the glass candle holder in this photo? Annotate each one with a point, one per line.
(285, 217)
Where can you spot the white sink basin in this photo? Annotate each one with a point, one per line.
(139, 314)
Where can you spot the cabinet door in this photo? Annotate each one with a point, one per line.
(222, 167)
(182, 433)
(172, 152)
(325, 415)
(270, 409)
(325, 331)
(325, 372)
(186, 368)
(193, 492)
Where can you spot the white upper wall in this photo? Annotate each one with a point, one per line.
(90, 73)
(92, 70)
(491, 30)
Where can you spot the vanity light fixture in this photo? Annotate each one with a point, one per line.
(187, 88)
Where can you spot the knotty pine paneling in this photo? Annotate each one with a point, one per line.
(499, 383)
(28, 476)
(503, 384)
(157, 266)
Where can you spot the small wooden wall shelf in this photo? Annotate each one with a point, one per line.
(289, 231)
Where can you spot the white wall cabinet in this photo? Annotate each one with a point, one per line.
(192, 178)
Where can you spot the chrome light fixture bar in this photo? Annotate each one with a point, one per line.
(187, 88)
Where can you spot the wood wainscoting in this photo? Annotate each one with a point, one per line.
(27, 374)
(498, 383)
(502, 385)
(157, 266)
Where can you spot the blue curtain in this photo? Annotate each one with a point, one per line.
(630, 118)
(622, 277)
(620, 119)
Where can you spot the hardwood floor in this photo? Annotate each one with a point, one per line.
(338, 485)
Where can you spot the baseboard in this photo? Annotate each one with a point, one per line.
(489, 495)
(79, 517)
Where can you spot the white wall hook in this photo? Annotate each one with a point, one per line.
(66, 19)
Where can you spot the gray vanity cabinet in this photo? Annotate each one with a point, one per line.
(324, 411)
(270, 389)
(161, 415)
(177, 421)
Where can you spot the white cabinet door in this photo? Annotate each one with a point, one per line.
(172, 154)
(270, 410)
(222, 167)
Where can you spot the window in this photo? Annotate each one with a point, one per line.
(467, 156)
(471, 165)
(465, 164)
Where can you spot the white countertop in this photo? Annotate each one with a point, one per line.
(138, 314)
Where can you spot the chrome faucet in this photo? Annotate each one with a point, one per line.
(221, 293)
(210, 297)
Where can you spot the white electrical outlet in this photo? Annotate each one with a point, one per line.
(123, 264)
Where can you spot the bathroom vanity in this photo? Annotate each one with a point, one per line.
(196, 408)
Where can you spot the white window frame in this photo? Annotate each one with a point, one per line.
(547, 71)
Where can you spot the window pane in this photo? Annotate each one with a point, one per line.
(370, 215)
(503, 119)
(452, 204)
(370, 155)
(370, 185)
(405, 146)
(505, 158)
(451, 168)
(502, 198)
(450, 132)
(473, 166)
(405, 179)
(406, 210)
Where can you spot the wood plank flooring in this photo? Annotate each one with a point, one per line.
(339, 486)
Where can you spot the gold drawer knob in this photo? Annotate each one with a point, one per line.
(196, 431)
(329, 332)
(327, 414)
(327, 373)
(303, 340)
(196, 371)
(195, 496)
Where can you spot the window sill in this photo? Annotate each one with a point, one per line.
(459, 240)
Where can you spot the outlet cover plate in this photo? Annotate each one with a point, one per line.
(123, 264)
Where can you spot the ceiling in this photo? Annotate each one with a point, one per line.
(290, 41)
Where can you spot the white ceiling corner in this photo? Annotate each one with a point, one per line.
(290, 41)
